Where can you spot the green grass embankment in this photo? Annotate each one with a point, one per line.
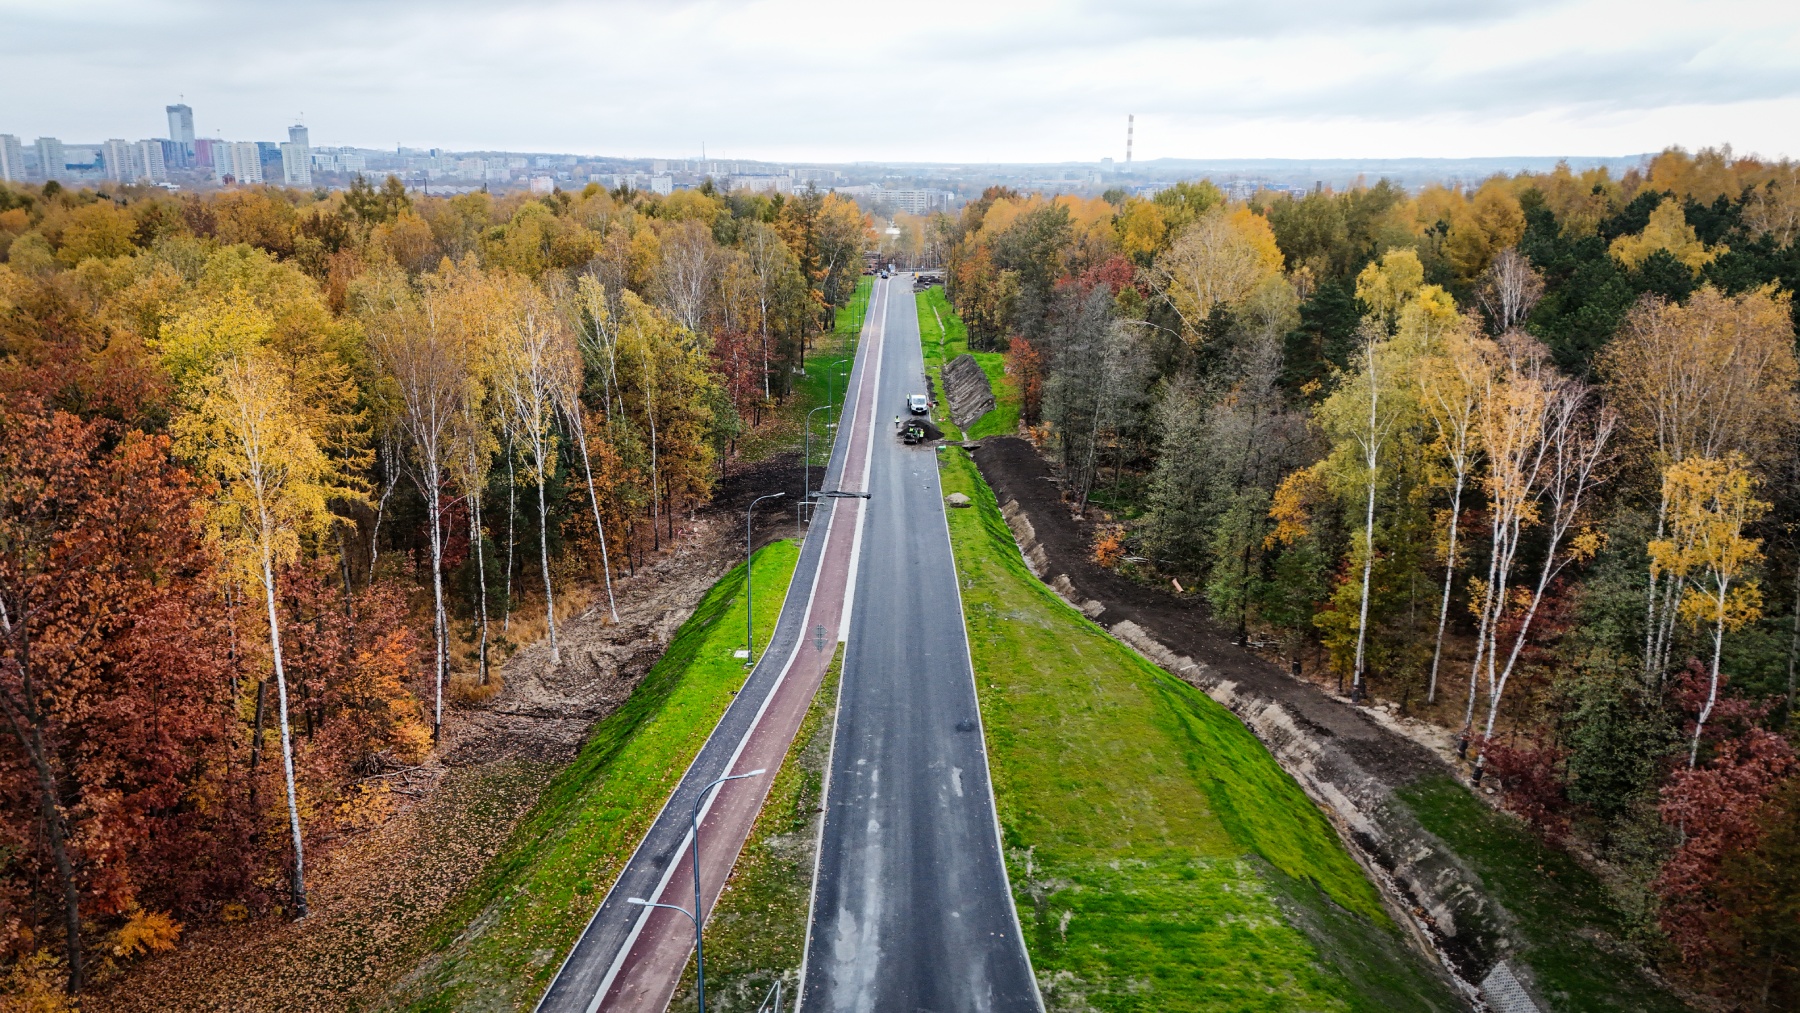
(1562, 911)
(943, 337)
(500, 943)
(828, 361)
(758, 930)
(1160, 858)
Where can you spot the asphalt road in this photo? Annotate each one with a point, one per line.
(629, 959)
(911, 909)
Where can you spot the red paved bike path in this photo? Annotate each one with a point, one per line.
(645, 977)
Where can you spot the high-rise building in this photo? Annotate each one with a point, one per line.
(296, 161)
(209, 153)
(270, 153)
(50, 159)
(241, 160)
(147, 162)
(12, 159)
(114, 153)
(181, 124)
(297, 135)
(181, 132)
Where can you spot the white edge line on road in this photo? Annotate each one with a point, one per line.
(637, 927)
(1012, 905)
(837, 705)
(862, 506)
(843, 633)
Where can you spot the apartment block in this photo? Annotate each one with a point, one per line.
(181, 133)
(51, 159)
(12, 159)
(296, 161)
(241, 160)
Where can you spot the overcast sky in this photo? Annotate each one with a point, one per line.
(967, 80)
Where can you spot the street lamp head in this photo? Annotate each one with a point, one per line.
(639, 901)
(759, 770)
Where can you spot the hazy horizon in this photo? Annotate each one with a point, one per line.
(794, 80)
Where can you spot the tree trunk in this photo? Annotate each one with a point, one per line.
(375, 532)
(1793, 651)
(1651, 625)
(1481, 629)
(1498, 689)
(481, 579)
(1712, 692)
(1362, 621)
(256, 734)
(544, 554)
(27, 724)
(298, 883)
(1437, 652)
(439, 627)
(511, 541)
(587, 468)
(1372, 450)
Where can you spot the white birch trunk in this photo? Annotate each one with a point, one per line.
(298, 883)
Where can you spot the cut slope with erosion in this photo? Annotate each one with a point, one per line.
(1160, 859)
(499, 944)
(1476, 881)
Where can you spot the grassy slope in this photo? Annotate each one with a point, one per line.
(498, 945)
(1160, 858)
(1561, 908)
(828, 355)
(943, 336)
(758, 929)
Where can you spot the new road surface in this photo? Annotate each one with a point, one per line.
(911, 909)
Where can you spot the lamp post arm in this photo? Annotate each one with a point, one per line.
(694, 856)
(640, 902)
(749, 583)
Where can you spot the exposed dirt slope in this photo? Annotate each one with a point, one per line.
(1359, 764)
(373, 892)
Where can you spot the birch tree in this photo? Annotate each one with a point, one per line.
(1451, 385)
(246, 431)
(1509, 289)
(567, 389)
(1699, 380)
(1711, 502)
(686, 272)
(531, 356)
(472, 447)
(1575, 445)
(418, 347)
(1514, 409)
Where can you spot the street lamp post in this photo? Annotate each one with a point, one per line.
(842, 374)
(698, 916)
(749, 584)
(806, 464)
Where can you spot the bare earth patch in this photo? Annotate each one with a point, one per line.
(373, 891)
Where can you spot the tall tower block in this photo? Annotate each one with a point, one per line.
(1130, 128)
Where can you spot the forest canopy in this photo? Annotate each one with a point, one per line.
(284, 471)
(1518, 457)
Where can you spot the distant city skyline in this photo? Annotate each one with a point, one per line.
(802, 80)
